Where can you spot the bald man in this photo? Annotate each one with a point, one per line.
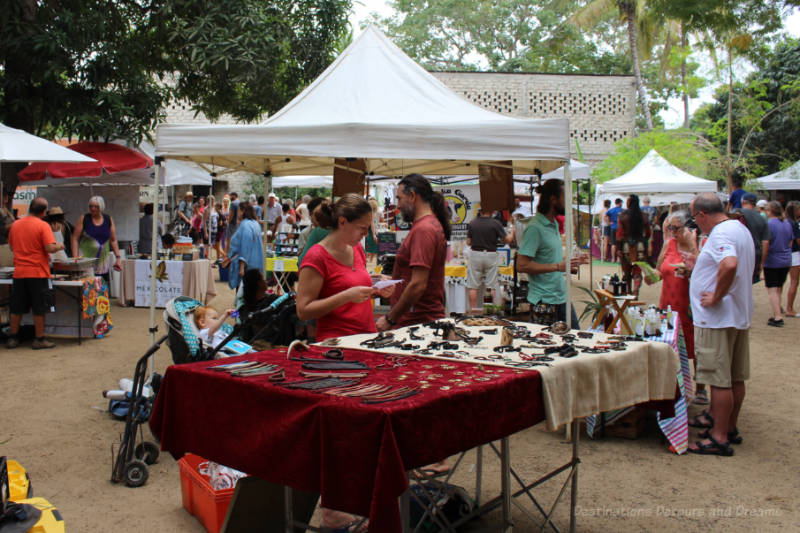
(32, 242)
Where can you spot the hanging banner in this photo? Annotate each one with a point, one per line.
(462, 202)
(169, 282)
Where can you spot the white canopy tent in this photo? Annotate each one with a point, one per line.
(375, 104)
(303, 181)
(787, 179)
(656, 178)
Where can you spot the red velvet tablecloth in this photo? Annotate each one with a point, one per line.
(355, 455)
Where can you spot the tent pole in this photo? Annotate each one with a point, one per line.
(568, 242)
(153, 260)
(590, 203)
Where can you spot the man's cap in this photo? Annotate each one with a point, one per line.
(189, 193)
(750, 198)
(272, 195)
(762, 203)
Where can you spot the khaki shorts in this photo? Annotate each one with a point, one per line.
(482, 270)
(722, 356)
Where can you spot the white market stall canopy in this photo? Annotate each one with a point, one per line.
(374, 103)
(302, 181)
(787, 179)
(656, 178)
(179, 172)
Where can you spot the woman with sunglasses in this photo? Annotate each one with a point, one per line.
(675, 280)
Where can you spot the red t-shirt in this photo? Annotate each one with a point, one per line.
(350, 318)
(28, 237)
(425, 246)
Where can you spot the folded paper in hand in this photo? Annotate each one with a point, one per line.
(382, 284)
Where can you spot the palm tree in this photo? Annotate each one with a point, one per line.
(632, 13)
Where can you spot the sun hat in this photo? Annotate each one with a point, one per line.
(55, 211)
(273, 195)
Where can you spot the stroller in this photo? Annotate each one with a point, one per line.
(272, 320)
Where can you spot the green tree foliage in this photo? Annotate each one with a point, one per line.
(105, 69)
(765, 133)
(682, 148)
(505, 35)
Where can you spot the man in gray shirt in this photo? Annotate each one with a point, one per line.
(483, 234)
(759, 230)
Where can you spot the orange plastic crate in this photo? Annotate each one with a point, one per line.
(199, 498)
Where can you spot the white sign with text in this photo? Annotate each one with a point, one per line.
(169, 282)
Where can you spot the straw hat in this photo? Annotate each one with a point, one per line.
(55, 211)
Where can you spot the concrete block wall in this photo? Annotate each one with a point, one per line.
(601, 109)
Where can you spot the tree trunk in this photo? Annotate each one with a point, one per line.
(730, 119)
(683, 80)
(628, 10)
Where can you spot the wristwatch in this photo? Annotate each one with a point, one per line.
(389, 320)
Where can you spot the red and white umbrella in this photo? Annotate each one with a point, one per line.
(113, 163)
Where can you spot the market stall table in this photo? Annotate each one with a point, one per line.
(68, 318)
(196, 281)
(455, 287)
(306, 440)
(281, 268)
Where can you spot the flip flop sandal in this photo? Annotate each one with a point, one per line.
(733, 436)
(712, 448)
(696, 422)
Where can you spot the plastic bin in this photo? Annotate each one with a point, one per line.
(199, 498)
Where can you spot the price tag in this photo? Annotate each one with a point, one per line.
(277, 265)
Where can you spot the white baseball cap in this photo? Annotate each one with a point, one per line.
(762, 203)
(272, 195)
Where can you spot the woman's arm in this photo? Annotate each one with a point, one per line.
(309, 305)
(75, 236)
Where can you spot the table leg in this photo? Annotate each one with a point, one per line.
(405, 508)
(478, 474)
(505, 482)
(576, 436)
(600, 316)
(78, 301)
(287, 503)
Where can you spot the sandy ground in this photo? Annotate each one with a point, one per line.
(53, 421)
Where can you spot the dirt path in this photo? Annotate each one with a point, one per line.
(53, 421)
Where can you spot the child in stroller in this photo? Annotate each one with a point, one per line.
(209, 322)
(184, 337)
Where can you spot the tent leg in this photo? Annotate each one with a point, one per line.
(153, 260)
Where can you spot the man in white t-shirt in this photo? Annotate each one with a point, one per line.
(721, 296)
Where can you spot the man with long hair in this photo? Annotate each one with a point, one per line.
(541, 257)
(421, 258)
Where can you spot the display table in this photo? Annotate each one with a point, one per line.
(455, 286)
(197, 279)
(281, 268)
(69, 318)
(357, 455)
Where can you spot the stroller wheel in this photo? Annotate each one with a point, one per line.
(146, 451)
(136, 473)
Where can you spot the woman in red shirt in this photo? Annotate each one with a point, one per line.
(334, 285)
(335, 288)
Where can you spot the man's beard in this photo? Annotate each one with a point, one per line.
(407, 213)
(559, 209)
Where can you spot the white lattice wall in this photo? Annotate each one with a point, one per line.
(601, 109)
